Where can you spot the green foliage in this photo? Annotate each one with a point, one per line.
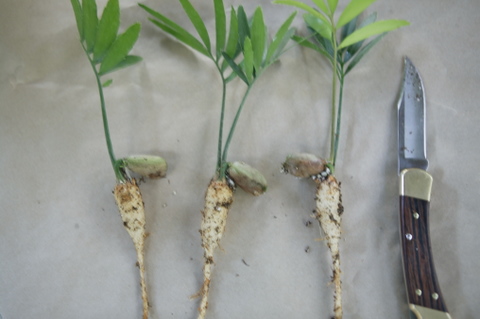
(107, 83)
(100, 38)
(280, 39)
(116, 56)
(319, 26)
(90, 22)
(371, 30)
(317, 13)
(107, 30)
(352, 47)
(77, 10)
(344, 53)
(258, 38)
(353, 9)
(104, 47)
(232, 42)
(220, 25)
(197, 22)
(258, 51)
(244, 50)
(243, 26)
(332, 4)
(245, 37)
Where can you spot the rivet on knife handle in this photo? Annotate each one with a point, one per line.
(424, 295)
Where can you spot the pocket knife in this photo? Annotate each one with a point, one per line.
(424, 297)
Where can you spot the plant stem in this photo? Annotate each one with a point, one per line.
(220, 132)
(106, 129)
(232, 129)
(334, 96)
(339, 117)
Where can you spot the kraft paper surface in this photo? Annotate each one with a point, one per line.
(64, 252)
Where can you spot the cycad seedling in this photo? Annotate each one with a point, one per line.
(107, 51)
(343, 54)
(245, 51)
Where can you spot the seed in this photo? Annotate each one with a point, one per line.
(146, 165)
(303, 165)
(247, 178)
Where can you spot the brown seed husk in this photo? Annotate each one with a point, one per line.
(329, 212)
(130, 204)
(218, 199)
(247, 178)
(303, 165)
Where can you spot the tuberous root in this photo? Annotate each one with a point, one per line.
(329, 212)
(130, 205)
(218, 199)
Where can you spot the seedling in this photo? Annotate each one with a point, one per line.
(107, 51)
(343, 43)
(244, 52)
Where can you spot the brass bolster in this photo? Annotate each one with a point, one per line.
(415, 183)
(427, 313)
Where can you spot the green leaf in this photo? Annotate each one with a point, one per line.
(235, 68)
(371, 18)
(243, 26)
(232, 42)
(318, 25)
(345, 54)
(232, 76)
(362, 53)
(176, 31)
(325, 44)
(119, 49)
(303, 6)
(259, 35)
(107, 29)
(332, 4)
(220, 25)
(128, 61)
(77, 9)
(352, 49)
(197, 22)
(304, 42)
(281, 46)
(372, 29)
(90, 22)
(348, 28)
(280, 39)
(184, 37)
(248, 59)
(107, 83)
(321, 5)
(353, 9)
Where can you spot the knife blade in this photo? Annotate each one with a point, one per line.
(424, 297)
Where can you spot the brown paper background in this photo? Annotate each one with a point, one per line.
(64, 252)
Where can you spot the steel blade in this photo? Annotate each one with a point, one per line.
(411, 121)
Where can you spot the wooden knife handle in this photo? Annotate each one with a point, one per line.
(423, 290)
(420, 276)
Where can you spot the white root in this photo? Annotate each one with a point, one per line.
(130, 204)
(218, 199)
(329, 215)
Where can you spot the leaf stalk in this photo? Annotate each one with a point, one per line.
(232, 130)
(222, 116)
(116, 167)
(339, 117)
(334, 95)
